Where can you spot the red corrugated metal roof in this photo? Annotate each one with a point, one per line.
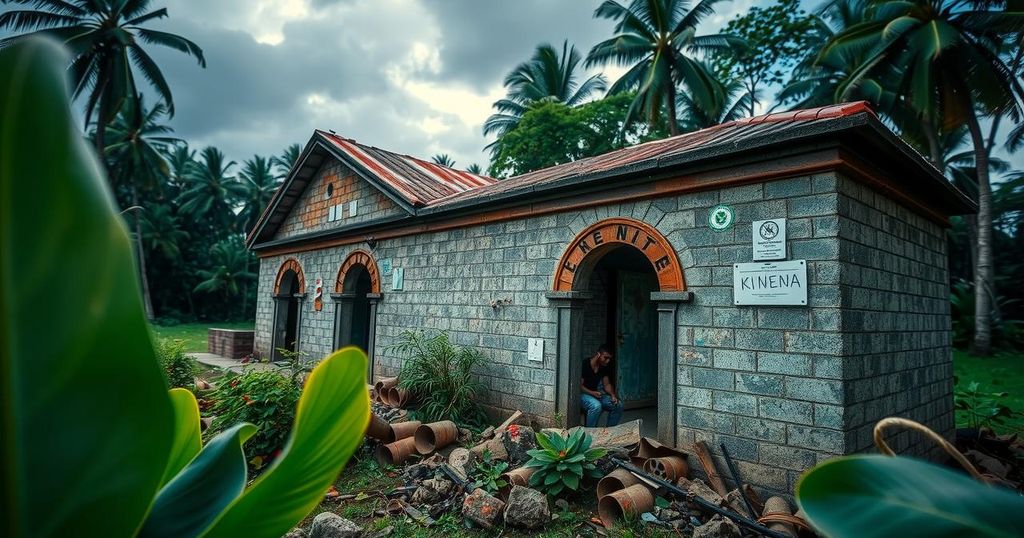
(417, 181)
(736, 132)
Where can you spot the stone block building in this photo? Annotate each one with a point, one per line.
(642, 249)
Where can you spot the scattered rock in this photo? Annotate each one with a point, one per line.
(418, 471)
(735, 501)
(699, 488)
(527, 508)
(605, 464)
(331, 525)
(464, 436)
(297, 532)
(517, 440)
(431, 491)
(434, 461)
(386, 531)
(664, 514)
(462, 461)
(495, 446)
(562, 505)
(482, 508)
(717, 527)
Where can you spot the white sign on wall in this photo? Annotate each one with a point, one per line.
(535, 349)
(397, 278)
(770, 283)
(769, 239)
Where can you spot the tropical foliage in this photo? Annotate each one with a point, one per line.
(136, 454)
(563, 462)
(440, 376)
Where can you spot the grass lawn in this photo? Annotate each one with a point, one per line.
(1001, 373)
(194, 334)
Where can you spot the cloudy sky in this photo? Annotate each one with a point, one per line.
(413, 76)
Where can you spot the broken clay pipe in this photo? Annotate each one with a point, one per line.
(704, 503)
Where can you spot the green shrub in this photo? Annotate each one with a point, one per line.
(264, 398)
(179, 369)
(439, 375)
(562, 462)
(487, 473)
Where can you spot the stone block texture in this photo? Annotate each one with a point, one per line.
(781, 387)
(337, 185)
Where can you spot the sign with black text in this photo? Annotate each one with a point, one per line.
(770, 283)
(769, 239)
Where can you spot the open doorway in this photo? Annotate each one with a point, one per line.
(287, 296)
(353, 329)
(622, 316)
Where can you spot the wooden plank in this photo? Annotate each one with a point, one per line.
(714, 479)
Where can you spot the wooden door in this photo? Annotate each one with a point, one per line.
(637, 353)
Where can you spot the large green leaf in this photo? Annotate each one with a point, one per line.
(332, 415)
(86, 424)
(196, 497)
(872, 495)
(188, 434)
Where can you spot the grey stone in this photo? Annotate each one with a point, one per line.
(297, 532)
(717, 527)
(699, 488)
(483, 508)
(527, 508)
(331, 525)
(431, 490)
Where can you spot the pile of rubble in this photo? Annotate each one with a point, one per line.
(642, 480)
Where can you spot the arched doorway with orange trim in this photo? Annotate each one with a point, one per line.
(289, 291)
(356, 294)
(618, 284)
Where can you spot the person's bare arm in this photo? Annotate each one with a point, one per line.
(610, 389)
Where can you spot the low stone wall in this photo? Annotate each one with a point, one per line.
(230, 343)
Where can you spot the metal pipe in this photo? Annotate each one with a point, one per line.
(704, 503)
(736, 480)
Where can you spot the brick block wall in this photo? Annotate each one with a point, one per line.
(895, 295)
(312, 210)
(230, 343)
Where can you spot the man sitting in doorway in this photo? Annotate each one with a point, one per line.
(597, 392)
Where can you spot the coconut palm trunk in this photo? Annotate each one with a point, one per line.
(984, 272)
(147, 301)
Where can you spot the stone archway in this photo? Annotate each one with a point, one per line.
(289, 292)
(570, 295)
(356, 295)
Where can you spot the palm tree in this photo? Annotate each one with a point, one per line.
(548, 75)
(104, 37)
(731, 101)
(475, 169)
(444, 160)
(162, 231)
(950, 56)
(182, 163)
(258, 184)
(135, 158)
(229, 273)
(286, 160)
(211, 191)
(653, 38)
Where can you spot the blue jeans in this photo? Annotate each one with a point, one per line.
(593, 407)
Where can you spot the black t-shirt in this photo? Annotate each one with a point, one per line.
(592, 379)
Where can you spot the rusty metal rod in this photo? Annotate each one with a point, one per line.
(673, 489)
(736, 479)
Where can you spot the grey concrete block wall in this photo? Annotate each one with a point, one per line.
(781, 387)
(896, 320)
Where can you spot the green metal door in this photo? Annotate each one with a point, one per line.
(637, 352)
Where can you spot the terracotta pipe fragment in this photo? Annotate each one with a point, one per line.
(402, 430)
(395, 453)
(778, 506)
(629, 502)
(380, 429)
(435, 436)
(515, 477)
(671, 468)
(616, 480)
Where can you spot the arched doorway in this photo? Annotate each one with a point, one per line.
(356, 294)
(289, 290)
(618, 284)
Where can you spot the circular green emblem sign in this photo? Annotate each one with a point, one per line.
(721, 217)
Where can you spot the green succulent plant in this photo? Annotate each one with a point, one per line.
(487, 474)
(562, 462)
